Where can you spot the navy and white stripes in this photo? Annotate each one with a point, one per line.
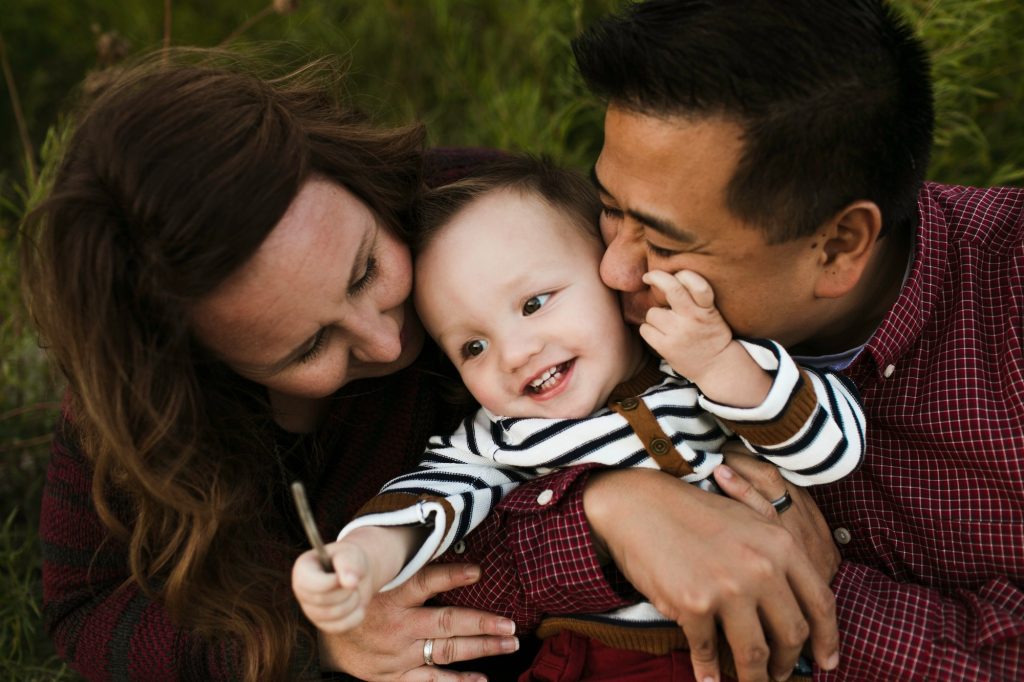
(489, 455)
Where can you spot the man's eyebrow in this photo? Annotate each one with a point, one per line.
(665, 227)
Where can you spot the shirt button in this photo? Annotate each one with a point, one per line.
(889, 369)
(842, 536)
(659, 446)
(459, 547)
(545, 497)
(629, 403)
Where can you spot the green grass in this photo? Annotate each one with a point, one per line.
(477, 72)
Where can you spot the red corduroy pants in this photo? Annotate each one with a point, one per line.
(569, 657)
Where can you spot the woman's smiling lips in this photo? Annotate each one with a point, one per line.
(549, 382)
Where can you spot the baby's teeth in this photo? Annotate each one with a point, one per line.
(544, 377)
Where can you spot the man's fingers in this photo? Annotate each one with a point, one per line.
(819, 606)
(702, 638)
(787, 632)
(739, 489)
(746, 639)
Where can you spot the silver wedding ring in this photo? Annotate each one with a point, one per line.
(428, 651)
(783, 503)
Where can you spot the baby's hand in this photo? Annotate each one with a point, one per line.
(690, 334)
(334, 602)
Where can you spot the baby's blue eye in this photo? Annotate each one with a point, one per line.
(474, 348)
(534, 303)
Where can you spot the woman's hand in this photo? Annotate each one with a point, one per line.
(705, 560)
(389, 643)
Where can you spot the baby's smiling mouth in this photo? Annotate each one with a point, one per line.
(549, 378)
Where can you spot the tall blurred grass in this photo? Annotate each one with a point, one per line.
(477, 72)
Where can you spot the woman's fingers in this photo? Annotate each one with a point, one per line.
(389, 643)
(449, 650)
(431, 581)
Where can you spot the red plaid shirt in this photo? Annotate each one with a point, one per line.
(933, 521)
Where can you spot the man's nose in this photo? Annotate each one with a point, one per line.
(624, 262)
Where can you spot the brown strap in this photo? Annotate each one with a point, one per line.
(658, 445)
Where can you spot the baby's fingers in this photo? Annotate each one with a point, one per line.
(700, 291)
(338, 617)
(683, 290)
(309, 580)
(349, 562)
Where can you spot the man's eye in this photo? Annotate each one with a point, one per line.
(659, 252)
(611, 213)
(535, 303)
(474, 348)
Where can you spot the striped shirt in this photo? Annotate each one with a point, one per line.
(810, 425)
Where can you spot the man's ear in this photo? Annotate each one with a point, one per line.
(850, 238)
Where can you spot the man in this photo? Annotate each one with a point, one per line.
(778, 149)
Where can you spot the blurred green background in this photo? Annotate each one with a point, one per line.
(494, 73)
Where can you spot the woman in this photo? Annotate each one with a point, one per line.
(220, 273)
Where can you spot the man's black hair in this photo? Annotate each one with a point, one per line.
(834, 98)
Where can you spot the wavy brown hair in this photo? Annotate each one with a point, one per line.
(175, 174)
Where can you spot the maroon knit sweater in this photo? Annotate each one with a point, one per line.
(107, 631)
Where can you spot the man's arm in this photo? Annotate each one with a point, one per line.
(903, 631)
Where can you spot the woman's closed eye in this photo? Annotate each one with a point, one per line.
(369, 274)
(315, 348)
(473, 348)
(535, 303)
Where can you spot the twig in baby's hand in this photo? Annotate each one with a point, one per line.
(308, 525)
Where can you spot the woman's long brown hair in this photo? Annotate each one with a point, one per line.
(173, 177)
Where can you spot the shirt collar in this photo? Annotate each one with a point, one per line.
(902, 325)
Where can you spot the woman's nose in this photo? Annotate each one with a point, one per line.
(376, 340)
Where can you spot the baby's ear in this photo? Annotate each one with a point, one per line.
(850, 236)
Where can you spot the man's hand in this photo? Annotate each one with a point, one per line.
(388, 644)
(759, 482)
(704, 560)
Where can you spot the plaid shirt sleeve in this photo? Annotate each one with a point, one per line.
(537, 557)
(901, 631)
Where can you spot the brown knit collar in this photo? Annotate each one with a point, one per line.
(648, 376)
